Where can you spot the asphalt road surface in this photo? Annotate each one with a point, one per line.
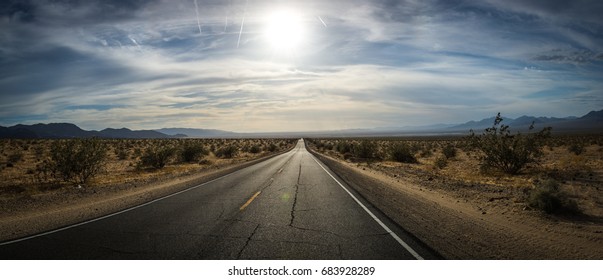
(288, 207)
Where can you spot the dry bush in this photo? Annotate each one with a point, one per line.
(191, 151)
(229, 151)
(75, 160)
(440, 162)
(547, 196)
(156, 156)
(449, 151)
(506, 152)
(366, 149)
(402, 152)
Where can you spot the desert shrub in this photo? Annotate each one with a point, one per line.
(15, 157)
(121, 152)
(137, 152)
(366, 149)
(76, 160)
(190, 151)
(272, 147)
(254, 149)
(576, 147)
(449, 151)
(39, 151)
(506, 152)
(329, 146)
(425, 152)
(402, 152)
(343, 147)
(156, 156)
(440, 162)
(547, 197)
(229, 151)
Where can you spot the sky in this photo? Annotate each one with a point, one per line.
(259, 66)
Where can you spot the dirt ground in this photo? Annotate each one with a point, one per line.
(466, 215)
(455, 210)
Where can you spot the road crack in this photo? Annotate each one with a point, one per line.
(247, 242)
(295, 197)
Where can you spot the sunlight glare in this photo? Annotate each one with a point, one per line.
(284, 30)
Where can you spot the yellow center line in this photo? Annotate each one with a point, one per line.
(250, 200)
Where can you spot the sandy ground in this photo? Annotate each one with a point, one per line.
(456, 220)
(471, 222)
(47, 211)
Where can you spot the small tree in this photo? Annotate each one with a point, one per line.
(507, 152)
(77, 160)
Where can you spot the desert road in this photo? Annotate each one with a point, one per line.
(288, 207)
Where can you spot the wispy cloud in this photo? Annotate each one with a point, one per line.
(146, 64)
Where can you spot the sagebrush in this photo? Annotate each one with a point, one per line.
(76, 160)
(508, 152)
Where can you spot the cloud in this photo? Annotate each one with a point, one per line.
(144, 64)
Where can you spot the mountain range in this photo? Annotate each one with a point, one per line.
(589, 123)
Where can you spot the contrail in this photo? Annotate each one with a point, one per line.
(323, 22)
(225, 23)
(197, 12)
(242, 22)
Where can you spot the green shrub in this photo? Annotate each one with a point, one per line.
(76, 160)
(229, 151)
(121, 152)
(255, 149)
(343, 147)
(366, 149)
(506, 152)
(576, 148)
(272, 148)
(440, 162)
(547, 197)
(190, 151)
(156, 156)
(402, 152)
(449, 151)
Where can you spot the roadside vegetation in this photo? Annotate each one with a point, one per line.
(532, 169)
(35, 166)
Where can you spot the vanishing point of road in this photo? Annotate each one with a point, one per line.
(290, 206)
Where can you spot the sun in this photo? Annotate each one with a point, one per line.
(284, 30)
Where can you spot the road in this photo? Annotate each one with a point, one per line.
(288, 207)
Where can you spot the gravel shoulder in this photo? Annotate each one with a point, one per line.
(469, 223)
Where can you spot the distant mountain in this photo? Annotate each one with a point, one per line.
(593, 116)
(51, 130)
(68, 130)
(127, 133)
(591, 122)
(197, 132)
(475, 125)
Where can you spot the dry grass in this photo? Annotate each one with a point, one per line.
(580, 176)
(19, 160)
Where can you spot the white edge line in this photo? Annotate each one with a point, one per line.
(113, 214)
(387, 229)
